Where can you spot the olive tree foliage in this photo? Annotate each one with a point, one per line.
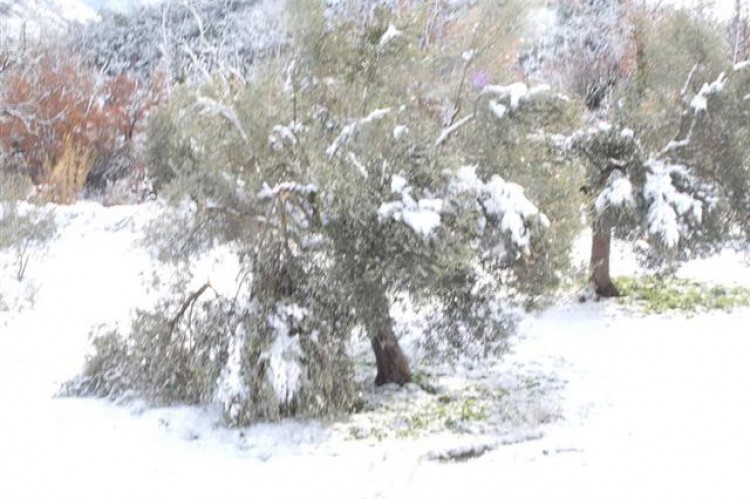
(362, 164)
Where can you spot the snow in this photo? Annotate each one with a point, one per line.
(700, 101)
(515, 92)
(647, 406)
(722, 10)
(422, 216)
(123, 6)
(497, 109)
(617, 193)
(357, 164)
(227, 112)
(268, 192)
(187, 39)
(468, 55)
(349, 131)
(281, 135)
(399, 131)
(503, 200)
(285, 354)
(398, 183)
(498, 198)
(423, 220)
(447, 131)
(668, 208)
(231, 390)
(390, 34)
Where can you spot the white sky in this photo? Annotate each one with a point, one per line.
(119, 5)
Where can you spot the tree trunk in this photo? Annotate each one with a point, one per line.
(392, 364)
(599, 266)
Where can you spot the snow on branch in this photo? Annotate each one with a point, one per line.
(268, 192)
(673, 145)
(699, 105)
(351, 130)
(358, 166)
(669, 209)
(497, 109)
(399, 131)
(283, 135)
(231, 390)
(515, 92)
(285, 355)
(700, 101)
(422, 216)
(617, 193)
(390, 34)
(449, 130)
(503, 201)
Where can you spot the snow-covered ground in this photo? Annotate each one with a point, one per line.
(632, 406)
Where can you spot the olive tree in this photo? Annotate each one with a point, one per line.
(359, 166)
(657, 145)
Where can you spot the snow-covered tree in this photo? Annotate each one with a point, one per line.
(362, 165)
(652, 86)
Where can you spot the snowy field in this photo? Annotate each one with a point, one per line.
(628, 405)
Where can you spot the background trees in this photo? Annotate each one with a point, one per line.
(187, 41)
(651, 81)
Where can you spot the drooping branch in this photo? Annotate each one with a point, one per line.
(186, 305)
(349, 131)
(227, 112)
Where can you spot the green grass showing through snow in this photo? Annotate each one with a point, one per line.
(659, 295)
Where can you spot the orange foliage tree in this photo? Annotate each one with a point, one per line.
(51, 105)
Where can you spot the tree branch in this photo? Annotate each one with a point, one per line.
(186, 305)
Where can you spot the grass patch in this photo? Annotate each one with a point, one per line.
(425, 382)
(659, 295)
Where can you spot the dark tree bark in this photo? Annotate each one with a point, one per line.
(392, 364)
(599, 265)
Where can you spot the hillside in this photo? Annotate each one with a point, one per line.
(34, 17)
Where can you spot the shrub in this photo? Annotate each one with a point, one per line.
(63, 122)
(24, 227)
(66, 178)
(256, 363)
